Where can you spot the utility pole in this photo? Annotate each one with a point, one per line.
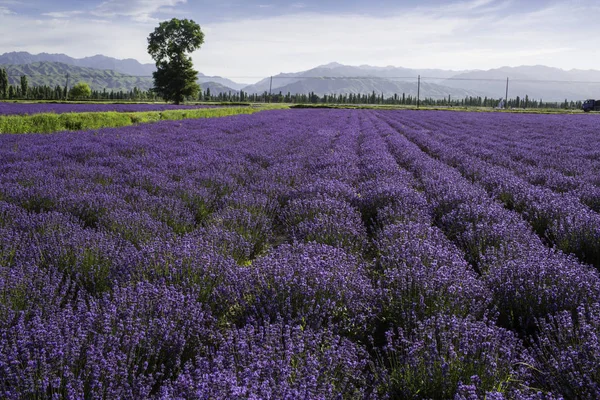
(506, 97)
(270, 88)
(419, 91)
(67, 87)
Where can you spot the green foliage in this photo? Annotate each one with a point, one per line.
(175, 78)
(48, 123)
(24, 85)
(3, 83)
(173, 38)
(176, 81)
(80, 91)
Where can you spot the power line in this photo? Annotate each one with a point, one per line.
(439, 78)
(504, 80)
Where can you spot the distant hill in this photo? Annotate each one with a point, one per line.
(216, 88)
(126, 67)
(55, 73)
(537, 81)
(345, 79)
(368, 85)
(228, 83)
(553, 84)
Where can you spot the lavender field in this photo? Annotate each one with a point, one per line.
(60, 108)
(304, 254)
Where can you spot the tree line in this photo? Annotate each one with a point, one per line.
(380, 99)
(8, 91)
(80, 91)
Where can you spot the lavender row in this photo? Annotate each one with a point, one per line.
(323, 209)
(156, 341)
(422, 273)
(554, 145)
(125, 189)
(568, 141)
(527, 279)
(428, 296)
(528, 282)
(538, 158)
(59, 108)
(560, 219)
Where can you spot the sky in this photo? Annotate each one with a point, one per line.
(248, 39)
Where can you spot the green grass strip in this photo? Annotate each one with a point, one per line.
(49, 123)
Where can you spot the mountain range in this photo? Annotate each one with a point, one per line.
(126, 67)
(125, 73)
(55, 74)
(539, 82)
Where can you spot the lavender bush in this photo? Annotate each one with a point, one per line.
(567, 351)
(125, 345)
(446, 352)
(277, 361)
(311, 285)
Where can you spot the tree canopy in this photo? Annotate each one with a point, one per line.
(175, 77)
(80, 91)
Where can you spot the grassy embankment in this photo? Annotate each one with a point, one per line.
(50, 122)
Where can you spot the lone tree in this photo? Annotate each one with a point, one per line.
(175, 77)
(80, 91)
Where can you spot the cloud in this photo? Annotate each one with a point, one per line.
(76, 37)
(63, 14)
(478, 4)
(137, 10)
(470, 35)
(5, 11)
(467, 8)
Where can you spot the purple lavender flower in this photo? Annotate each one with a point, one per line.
(266, 256)
(278, 361)
(567, 352)
(444, 352)
(310, 284)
